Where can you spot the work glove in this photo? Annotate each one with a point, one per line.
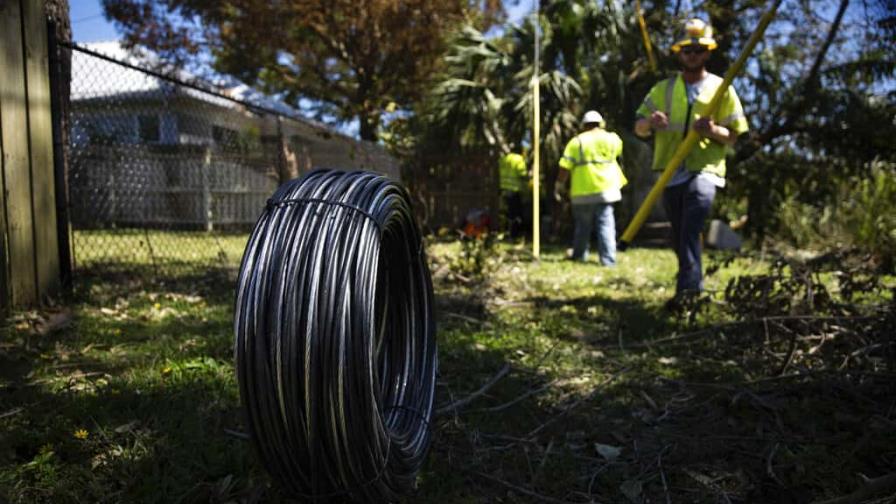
(558, 193)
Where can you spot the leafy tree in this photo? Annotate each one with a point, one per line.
(466, 107)
(818, 91)
(484, 97)
(818, 103)
(590, 58)
(354, 59)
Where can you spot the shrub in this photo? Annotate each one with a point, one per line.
(861, 215)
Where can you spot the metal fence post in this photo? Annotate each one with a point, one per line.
(59, 103)
(207, 190)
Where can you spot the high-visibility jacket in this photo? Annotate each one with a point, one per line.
(591, 159)
(512, 170)
(670, 96)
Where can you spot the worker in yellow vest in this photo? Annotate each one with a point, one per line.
(514, 180)
(596, 181)
(671, 108)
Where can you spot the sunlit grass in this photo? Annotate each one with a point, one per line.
(123, 248)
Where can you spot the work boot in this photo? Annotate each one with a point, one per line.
(681, 301)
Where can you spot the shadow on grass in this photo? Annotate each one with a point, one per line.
(684, 428)
(132, 402)
(155, 442)
(525, 431)
(215, 282)
(711, 418)
(603, 321)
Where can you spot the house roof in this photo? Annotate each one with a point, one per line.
(95, 78)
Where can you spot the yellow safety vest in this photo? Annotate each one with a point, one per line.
(591, 159)
(670, 96)
(512, 170)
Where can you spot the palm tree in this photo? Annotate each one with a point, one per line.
(467, 104)
(485, 100)
(593, 58)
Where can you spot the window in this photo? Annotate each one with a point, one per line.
(149, 128)
(192, 130)
(224, 136)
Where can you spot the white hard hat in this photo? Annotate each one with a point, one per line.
(592, 117)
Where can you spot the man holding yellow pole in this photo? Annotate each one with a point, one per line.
(672, 107)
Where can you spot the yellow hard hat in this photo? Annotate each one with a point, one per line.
(696, 32)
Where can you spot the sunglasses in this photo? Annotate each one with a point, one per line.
(694, 50)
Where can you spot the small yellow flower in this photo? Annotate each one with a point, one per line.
(157, 306)
(81, 434)
(166, 370)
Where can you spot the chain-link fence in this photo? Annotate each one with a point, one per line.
(165, 174)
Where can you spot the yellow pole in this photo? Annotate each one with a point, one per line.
(646, 38)
(536, 137)
(536, 141)
(684, 148)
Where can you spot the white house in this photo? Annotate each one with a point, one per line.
(149, 151)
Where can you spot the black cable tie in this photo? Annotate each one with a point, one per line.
(271, 204)
(415, 411)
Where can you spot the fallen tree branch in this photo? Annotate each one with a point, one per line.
(690, 335)
(574, 405)
(659, 464)
(521, 397)
(482, 390)
(467, 318)
(790, 351)
(769, 464)
(525, 491)
(740, 323)
(871, 488)
(731, 385)
(237, 434)
(73, 376)
(12, 412)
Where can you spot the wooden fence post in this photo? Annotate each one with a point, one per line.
(40, 133)
(21, 273)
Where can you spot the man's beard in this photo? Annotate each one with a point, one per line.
(694, 66)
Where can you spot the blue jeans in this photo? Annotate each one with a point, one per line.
(687, 206)
(599, 217)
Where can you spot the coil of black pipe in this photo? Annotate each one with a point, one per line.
(335, 347)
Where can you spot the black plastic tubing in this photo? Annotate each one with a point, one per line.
(335, 338)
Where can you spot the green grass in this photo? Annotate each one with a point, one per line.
(158, 251)
(129, 403)
(134, 399)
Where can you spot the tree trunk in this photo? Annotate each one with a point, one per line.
(287, 159)
(369, 125)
